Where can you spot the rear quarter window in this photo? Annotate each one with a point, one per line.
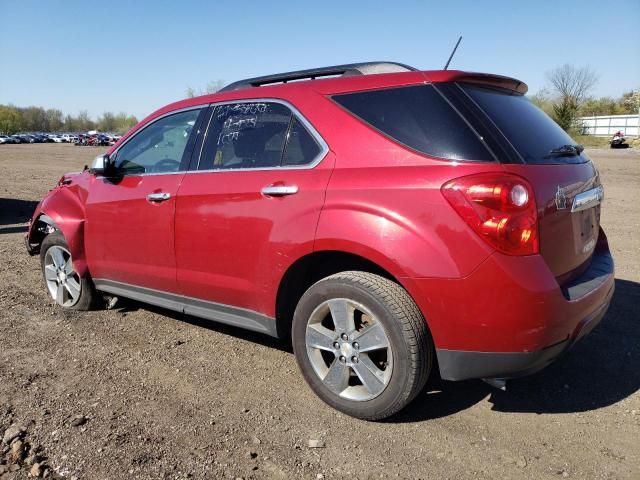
(417, 117)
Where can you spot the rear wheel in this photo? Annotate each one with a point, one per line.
(362, 344)
(67, 288)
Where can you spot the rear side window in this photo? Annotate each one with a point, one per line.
(419, 118)
(531, 132)
(301, 147)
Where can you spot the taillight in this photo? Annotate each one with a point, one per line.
(498, 207)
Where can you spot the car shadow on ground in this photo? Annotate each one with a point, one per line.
(14, 211)
(600, 370)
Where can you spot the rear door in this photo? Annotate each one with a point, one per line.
(129, 234)
(566, 183)
(250, 207)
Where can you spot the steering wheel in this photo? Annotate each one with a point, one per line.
(166, 165)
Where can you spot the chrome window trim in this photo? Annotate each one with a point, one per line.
(324, 147)
(164, 115)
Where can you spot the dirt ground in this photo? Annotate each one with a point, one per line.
(141, 392)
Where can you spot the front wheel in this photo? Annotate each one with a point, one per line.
(362, 344)
(67, 288)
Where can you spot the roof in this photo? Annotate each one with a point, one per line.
(334, 80)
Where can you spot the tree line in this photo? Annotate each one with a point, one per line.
(37, 119)
(567, 97)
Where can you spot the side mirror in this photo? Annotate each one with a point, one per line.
(100, 165)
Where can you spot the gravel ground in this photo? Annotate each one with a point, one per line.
(140, 392)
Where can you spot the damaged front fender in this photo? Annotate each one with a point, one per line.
(60, 210)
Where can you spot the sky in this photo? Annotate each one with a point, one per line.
(136, 56)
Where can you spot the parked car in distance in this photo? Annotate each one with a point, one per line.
(7, 139)
(24, 138)
(393, 223)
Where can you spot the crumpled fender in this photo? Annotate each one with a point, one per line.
(65, 213)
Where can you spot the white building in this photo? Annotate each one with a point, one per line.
(607, 125)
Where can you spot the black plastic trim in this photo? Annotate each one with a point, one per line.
(596, 274)
(312, 73)
(238, 317)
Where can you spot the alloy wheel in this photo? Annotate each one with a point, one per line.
(62, 280)
(349, 349)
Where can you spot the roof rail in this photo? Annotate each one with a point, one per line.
(366, 68)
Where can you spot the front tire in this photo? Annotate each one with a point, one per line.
(67, 288)
(362, 344)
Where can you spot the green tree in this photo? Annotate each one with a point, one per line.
(542, 99)
(35, 119)
(107, 122)
(572, 86)
(55, 119)
(564, 113)
(70, 123)
(212, 87)
(124, 122)
(630, 102)
(10, 120)
(84, 121)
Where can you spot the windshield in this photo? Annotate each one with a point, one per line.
(536, 137)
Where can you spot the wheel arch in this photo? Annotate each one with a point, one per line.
(315, 266)
(63, 212)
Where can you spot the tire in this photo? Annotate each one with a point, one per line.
(61, 280)
(370, 375)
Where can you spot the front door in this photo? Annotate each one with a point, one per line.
(251, 206)
(129, 234)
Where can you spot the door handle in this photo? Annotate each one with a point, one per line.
(158, 197)
(279, 190)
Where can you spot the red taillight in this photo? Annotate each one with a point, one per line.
(499, 207)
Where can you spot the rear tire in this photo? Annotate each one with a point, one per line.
(67, 288)
(362, 344)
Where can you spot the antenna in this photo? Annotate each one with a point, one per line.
(453, 53)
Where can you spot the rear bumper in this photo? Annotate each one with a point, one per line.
(463, 365)
(510, 317)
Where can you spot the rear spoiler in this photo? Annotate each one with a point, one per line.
(489, 79)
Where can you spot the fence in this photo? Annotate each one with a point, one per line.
(607, 125)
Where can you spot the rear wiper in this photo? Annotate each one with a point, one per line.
(572, 150)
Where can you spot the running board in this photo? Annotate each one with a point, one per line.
(237, 317)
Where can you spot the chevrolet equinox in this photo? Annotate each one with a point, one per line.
(391, 222)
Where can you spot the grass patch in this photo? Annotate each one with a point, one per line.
(591, 141)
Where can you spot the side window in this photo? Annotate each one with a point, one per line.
(246, 135)
(418, 117)
(157, 148)
(301, 147)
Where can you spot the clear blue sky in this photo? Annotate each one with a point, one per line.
(136, 56)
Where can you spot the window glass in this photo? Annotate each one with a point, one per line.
(301, 147)
(159, 147)
(246, 135)
(419, 118)
(529, 129)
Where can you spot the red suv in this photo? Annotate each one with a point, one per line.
(393, 222)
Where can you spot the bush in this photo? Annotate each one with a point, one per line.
(565, 113)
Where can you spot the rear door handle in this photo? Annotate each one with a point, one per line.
(279, 190)
(158, 197)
